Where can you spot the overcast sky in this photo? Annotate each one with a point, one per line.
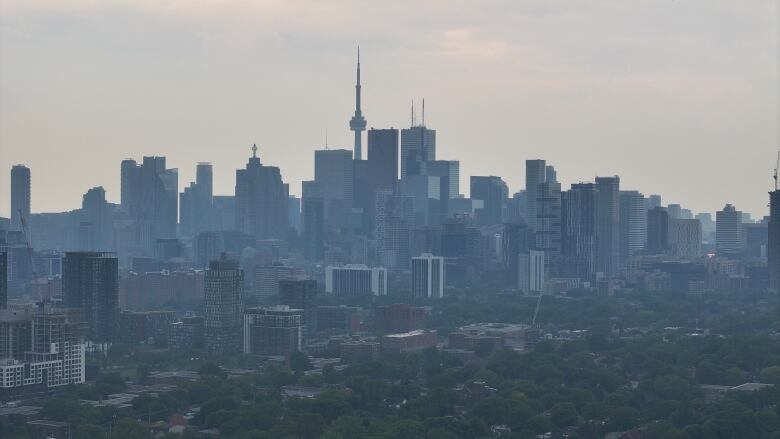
(679, 98)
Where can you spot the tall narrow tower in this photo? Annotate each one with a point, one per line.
(358, 122)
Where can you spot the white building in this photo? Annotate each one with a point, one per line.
(428, 276)
(356, 280)
(53, 353)
(530, 277)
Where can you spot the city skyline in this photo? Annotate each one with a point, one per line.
(707, 115)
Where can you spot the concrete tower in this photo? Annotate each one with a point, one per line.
(358, 122)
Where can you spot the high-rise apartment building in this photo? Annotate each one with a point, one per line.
(728, 232)
(3, 279)
(535, 173)
(428, 276)
(773, 240)
(633, 224)
(608, 253)
(223, 307)
(261, 200)
(53, 352)
(90, 284)
(20, 199)
(548, 221)
(579, 218)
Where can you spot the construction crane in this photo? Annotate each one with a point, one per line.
(29, 251)
(536, 311)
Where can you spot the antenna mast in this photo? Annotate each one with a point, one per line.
(777, 165)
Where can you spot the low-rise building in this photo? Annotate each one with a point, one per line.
(414, 341)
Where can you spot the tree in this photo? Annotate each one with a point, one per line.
(90, 431)
(128, 428)
(564, 414)
(299, 362)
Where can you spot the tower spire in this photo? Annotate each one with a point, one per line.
(358, 122)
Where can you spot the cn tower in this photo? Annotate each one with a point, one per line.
(358, 122)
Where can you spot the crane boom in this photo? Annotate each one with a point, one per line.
(536, 311)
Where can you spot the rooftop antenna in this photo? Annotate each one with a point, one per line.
(423, 111)
(777, 165)
(326, 138)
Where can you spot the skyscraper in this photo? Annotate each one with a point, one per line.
(535, 172)
(261, 200)
(657, 230)
(448, 171)
(548, 222)
(579, 218)
(383, 158)
(381, 169)
(96, 214)
(428, 277)
(90, 284)
(313, 206)
(301, 294)
(394, 224)
(358, 122)
(773, 244)
(633, 223)
(608, 255)
(223, 307)
(3, 280)
(150, 194)
(418, 145)
(334, 173)
(197, 203)
(20, 198)
(494, 193)
(517, 238)
(728, 232)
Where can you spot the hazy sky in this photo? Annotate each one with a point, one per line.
(679, 97)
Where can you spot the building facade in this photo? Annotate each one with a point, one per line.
(90, 284)
(223, 307)
(428, 276)
(356, 281)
